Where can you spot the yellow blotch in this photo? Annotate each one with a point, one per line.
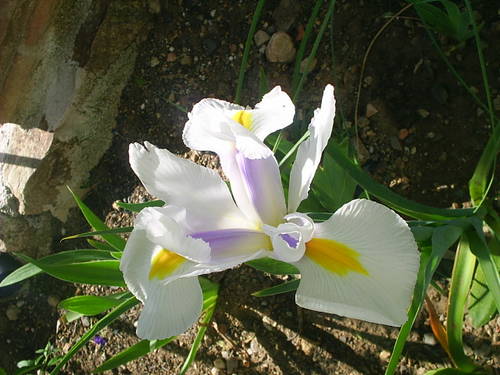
(334, 256)
(244, 118)
(164, 263)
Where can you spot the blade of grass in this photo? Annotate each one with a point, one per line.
(303, 44)
(97, 224)
(105, 321)
(99, 233)
(461, 278)
(286, 287)
(246, 51)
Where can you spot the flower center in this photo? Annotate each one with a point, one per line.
(164, 263)
(334, 256)
(244, 118)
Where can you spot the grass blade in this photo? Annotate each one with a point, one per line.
(105, 321)
(246, 51)
(137, 207)
(97, 224)
(99, 233)
(461, 278)
(285, 287)
(273, 266)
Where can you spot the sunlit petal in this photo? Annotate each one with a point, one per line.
(274, 112)
(362, 263)
(171, 309)
(310, 151)
(256, 186)
(182, 183)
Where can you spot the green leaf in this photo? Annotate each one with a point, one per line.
(2, 371)
(116, 241)
(99, 233)
(105, 321)
(422, 233)
(100, 245)
(285, 287)
(486, 262)
(461, 279)
(92, 305)
(138, 350)
(478, 184)
(395, 201)
(137, 207)
(332, 185)
(481, 303)
(60, 259)
(453, 371)
(98, 272)
(273, 266)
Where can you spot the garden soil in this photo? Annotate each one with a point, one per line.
(418, 132)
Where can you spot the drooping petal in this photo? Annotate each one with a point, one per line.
(230, 247)
(256, 187)
(274, 112)
(361, 263)
(289, 238)
(218, 126)
(182, 183)
(171, 309)
(310, 151)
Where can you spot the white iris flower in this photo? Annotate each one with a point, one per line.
(361, 263)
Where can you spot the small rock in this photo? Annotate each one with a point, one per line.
(423, 113)
(285, 14)
(209, 45)
(367, 81)
(430, 135)
(154, 6)
(220, 364)
(154, 61)
(384, 355)
(306, 347)
(371, 110)
(395, 143)
(85, 321)
(429, 339)
(306, 66)
(53, 301)
(403, 134)
(280, 48)
(231, 365)
(260, 37)
(413, 150)
(12, 312)
(214, 371)
(171, 57)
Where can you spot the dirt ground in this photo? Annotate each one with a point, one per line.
(423, 141)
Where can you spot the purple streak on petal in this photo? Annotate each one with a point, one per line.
(291, 241)
(263, 184)
(225, 243)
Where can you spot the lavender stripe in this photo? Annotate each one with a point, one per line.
(291, 241)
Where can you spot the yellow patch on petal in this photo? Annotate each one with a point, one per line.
(164, 263)
(244, 118)
(334, 256)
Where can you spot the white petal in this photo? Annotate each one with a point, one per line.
(274, 112)
(309, 152)
(208, 127)
(256, 186)
(171, 309)
(182, 183)
(387, 252)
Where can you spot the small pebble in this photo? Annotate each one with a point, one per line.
(154, 61)
(371, 110)
(280, 48)
(220, 363)
(231, 365)
(305, 66)
(403, 134)
(429, 339)
(12, 312)
(53, 301)
(384, 355)
(260, 37)
(423, 113)
(171, 57)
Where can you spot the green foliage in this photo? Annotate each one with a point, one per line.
(273, 266)
(137, 207)
(447, 19)
(47, 358)
(286, 287)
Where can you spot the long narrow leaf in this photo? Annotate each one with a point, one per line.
(285, 287)
(92, 305)
(105, 321)
(116, 241)
(138, 207)
(100, 233)
(273, 266)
